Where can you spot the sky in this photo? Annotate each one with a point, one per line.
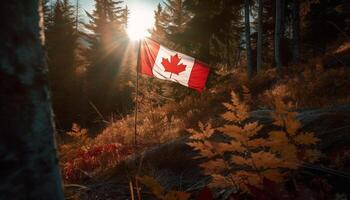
(141, 11)
(149, 5)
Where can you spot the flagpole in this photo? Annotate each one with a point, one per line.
(137, 92)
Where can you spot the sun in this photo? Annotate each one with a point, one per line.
(137, 33)
(140, 23)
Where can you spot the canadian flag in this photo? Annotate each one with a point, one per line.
(163, 63)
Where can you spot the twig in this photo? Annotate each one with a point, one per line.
(327, 170)
(131, 190)
(98, 112)
(77, 186)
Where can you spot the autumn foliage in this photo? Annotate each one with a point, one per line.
(243, 156)
(81, 159)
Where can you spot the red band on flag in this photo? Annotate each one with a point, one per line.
(199, 75)
(148, 54)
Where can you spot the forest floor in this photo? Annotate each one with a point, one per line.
(173, 165)
(107, 166)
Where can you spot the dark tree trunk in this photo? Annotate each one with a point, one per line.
(283, 18)
(260, 36)
(247, 38)
(28, 161)
(278, 33)
(296, 31)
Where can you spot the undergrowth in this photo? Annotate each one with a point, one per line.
(243, 157)
(163, 117)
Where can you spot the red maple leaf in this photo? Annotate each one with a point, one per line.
(173, 66)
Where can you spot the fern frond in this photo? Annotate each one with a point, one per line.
(202, 148)
(219, 180)
(259, 142)
(251, 129)
(214, 166)
(239, 160)
(265, 160)
(233, 131)
(233, 146)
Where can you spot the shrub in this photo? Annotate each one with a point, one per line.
(244, 157)
(91, 160)
(80, 158)
(154, 127)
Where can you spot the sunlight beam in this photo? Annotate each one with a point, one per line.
(140, 23)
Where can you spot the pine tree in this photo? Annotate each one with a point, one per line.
(61, 48)
(247, 39)
(279, 32)
(260, 35)
(170, 21)
(212, 28)
(158, 32)
(226, 42)
(107, 44)
(175, 16)
(125, 17)
(47, 13)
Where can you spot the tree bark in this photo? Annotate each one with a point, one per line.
(260, 36)
(278, 33)
(247, 37)
(28, 161)
(296, 31)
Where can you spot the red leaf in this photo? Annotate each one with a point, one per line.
(173, 66)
